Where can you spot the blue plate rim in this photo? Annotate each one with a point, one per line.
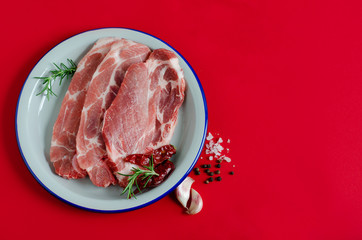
(145, 204)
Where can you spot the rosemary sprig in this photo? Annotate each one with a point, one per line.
(137, 172)
(61, 72)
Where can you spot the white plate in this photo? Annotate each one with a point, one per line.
(36, 115)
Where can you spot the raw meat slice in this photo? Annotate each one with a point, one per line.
(143, 115)
(65, 129)
(91, 150)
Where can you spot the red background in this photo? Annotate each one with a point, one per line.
(283, 81)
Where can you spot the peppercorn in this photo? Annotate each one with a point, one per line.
(210, 179)
(207, 170)
(218, 179)
(217, 172)
(218, 165)
(197, 173)
(210, 174)
(197, 169)
(204, 166)
(219, 161)
(231, 173)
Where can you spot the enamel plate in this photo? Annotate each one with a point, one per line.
(35, 117)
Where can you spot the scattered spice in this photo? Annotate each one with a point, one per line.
(214, 151)
(206, 166)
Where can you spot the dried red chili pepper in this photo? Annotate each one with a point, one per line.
(139, 159)
(159, 155)
(162, 166)
(163, 153)
(163, 170)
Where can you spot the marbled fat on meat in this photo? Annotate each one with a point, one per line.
(143, 115)
(91, 150)
(63, 144)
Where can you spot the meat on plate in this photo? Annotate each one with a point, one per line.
(123, 99)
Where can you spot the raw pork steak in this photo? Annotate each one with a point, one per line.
(91, 150)
(65, 129)
(143, 115)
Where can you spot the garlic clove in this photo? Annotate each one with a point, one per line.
(183, 191)
(196, 203)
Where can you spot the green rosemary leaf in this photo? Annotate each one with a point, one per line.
(61, 72)
(148, 172)
(149, 178)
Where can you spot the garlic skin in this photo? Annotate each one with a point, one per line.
(183, 192)
(196, 203)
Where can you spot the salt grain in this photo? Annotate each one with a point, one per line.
(215, 148)
(209, 137)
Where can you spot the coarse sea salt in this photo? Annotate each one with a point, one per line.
(225, 158)
(209, 137)
(215, 148)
